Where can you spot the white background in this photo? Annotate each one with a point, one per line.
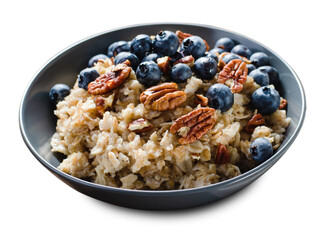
(285, 203)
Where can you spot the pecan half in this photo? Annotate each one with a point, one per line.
(165, 96)
(222, 155)
(139, 125)
(256, 120)
(283, 103)
(181, 35)
(222, 64)
(198, 122)
(164, 64)
(202, 100)
(189, 60)
(110, 80)
(237, 70)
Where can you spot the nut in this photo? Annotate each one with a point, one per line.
(164, 64)
(103, 102)
(199, 122)
(139, 125)
(110, 80)
(237, 70)
(222, 64)
(163, 97)
(100, 105)
(181, 35)
(189, 60)
(256, 120)
(202, 100)
(222, 155)
(283, 103)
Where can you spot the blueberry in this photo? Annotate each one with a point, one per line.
(250, 67)
(272, 72)
(86, 76)
(225, 43)
(217, 50)
(180, 73)
(266, 100)
(261, 150)
(152, 57)
(176, 57)
(58, 92)
(166, 43)
(123, 56)
(230, 56)
(148, 73)
(118, 47)
(141, 45)
(260, 77)
(260, 59)
(194, 46)
(205, 67)
(241, 50)
(220, 97)
(95, 59)
(212, 53)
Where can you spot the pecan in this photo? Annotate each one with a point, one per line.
(283, 103)
(139, 125)
(256, 120)
(189, 60)
(222, 155)
(198, 122)
(110, 80)
(163, 97)
(221, 63)
(164, 64)
(202, 100)
(100, 105)
(237, 70)
(181, 35)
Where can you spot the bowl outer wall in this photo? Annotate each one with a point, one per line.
(37, 124)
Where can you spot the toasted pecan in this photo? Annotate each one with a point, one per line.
(164, 64)
(188, 60)
(202, 100)
(283, 103)
(199, 121)
(165, 96)
(237, 70)
(110, 80)
(222, 155)
(139, 125)
(256, 120)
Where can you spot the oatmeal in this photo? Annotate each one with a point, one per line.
(166, 112)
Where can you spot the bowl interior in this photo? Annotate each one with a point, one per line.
(36, 114)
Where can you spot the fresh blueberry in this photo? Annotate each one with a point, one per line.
(58, 92)
(230, 56)
(220, 97)
(217, 50)
(176, 57)
(148, 73)
(260, 59)
(225, 43)
(180, 73)
(266, 100)
(194, 46)
(95, 59)
(272, 72)
(241, 50)
(212, 53)
(118, 47)
(260, 77)
(250, 67)
(166, 43)
(205, 67)
(123, 56)
(86, 76)
(141, 45)
(261, 150)
(152, 57)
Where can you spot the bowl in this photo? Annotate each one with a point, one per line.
(37, 121)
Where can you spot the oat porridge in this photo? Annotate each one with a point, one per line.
(166, 112)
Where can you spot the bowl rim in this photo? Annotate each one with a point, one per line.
(265, 165)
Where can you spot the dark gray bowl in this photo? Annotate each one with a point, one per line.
(37, 121)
